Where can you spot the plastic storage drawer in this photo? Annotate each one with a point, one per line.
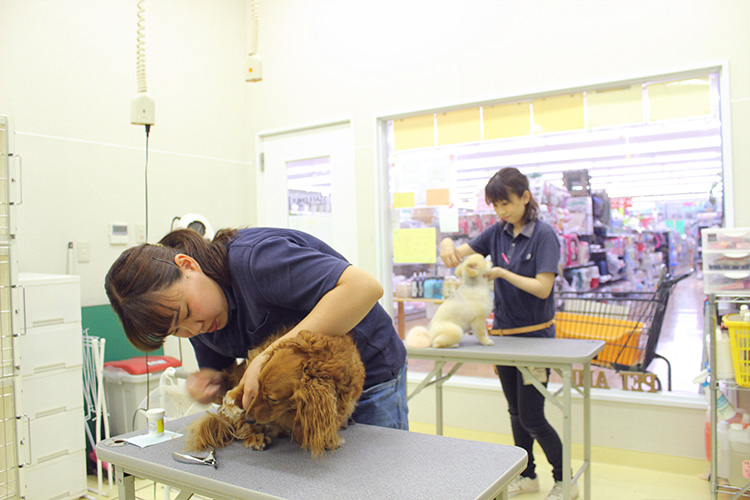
(726, 261)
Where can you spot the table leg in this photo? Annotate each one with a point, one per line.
(439, 403)
(567, 431)
(587, 430)
(125, 484)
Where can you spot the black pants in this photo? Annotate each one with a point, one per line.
(527, 420)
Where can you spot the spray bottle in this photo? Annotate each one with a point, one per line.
(724, 408)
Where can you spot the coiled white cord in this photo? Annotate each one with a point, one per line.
(254, 16)
(141, 48)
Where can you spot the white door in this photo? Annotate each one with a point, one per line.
(306, 182)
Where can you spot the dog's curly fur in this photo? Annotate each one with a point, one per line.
(467, 309)
(307, 389)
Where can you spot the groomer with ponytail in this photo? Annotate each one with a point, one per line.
(525, 252)
(228, 295)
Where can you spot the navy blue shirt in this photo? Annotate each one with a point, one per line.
(277, 277)
(535, 250)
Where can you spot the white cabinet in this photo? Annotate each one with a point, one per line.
(49, 387)
(726, 261)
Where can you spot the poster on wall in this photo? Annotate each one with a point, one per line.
(414, 246)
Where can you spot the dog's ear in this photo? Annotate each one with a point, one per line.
(459, 271)
(473, 269)
(316, 424)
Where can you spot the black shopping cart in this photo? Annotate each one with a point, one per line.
(629, 322)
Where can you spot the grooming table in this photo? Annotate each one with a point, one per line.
(374, 462)
(558, 354)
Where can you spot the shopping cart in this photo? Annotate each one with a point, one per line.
(629, 322)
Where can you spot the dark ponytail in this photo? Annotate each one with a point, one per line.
(137, 282)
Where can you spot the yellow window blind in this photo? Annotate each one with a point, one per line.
(456, 127)
(558, 113)
(679, 98)
(507, 120)
(615, 106)
(414, 132)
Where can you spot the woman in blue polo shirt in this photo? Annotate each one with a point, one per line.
(229, 295)
(525, 252)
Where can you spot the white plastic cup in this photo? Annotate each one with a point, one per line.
(155, 417)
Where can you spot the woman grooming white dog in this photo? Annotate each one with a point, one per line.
(527, 252)
(467, 309)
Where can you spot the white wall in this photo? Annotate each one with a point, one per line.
(331, 58)
(67, 75)
(671, 424)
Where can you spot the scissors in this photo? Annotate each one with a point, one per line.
(209, 459)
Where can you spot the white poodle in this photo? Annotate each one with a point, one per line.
(467, 309)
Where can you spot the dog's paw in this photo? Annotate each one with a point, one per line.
(486, 341)
(256, 442)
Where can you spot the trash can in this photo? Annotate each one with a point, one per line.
(126, 383)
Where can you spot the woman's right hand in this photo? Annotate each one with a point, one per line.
(448, 253)
(205, 385)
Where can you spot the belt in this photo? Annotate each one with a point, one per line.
(522, 329)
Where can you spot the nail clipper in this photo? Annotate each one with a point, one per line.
(209, 459)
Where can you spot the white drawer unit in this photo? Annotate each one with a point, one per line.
(50, 298)
(38, 400)
(48, 348)
(54, 479)
(49, 387)
(726, 261)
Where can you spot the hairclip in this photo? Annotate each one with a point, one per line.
(165, 261)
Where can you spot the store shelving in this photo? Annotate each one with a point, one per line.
(726, 261)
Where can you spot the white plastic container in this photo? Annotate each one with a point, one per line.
(722, 449)
(124, 392)
(724, 366)
(739, 453)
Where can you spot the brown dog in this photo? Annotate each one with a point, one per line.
(307, 389)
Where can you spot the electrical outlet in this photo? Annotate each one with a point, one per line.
(84, 254)
(140, 233)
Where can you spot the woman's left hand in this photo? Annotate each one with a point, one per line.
(495, 273)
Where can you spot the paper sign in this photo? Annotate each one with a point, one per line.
(438, 197)
(415, 246)
(448, 219)
(403, 200)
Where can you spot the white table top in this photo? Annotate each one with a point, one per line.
(543, 352)
(374, 462)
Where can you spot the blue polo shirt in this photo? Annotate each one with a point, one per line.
(535, 250)
(277, 277)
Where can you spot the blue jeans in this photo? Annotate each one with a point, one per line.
(384, 404)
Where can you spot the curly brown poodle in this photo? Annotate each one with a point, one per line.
(307, 390)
